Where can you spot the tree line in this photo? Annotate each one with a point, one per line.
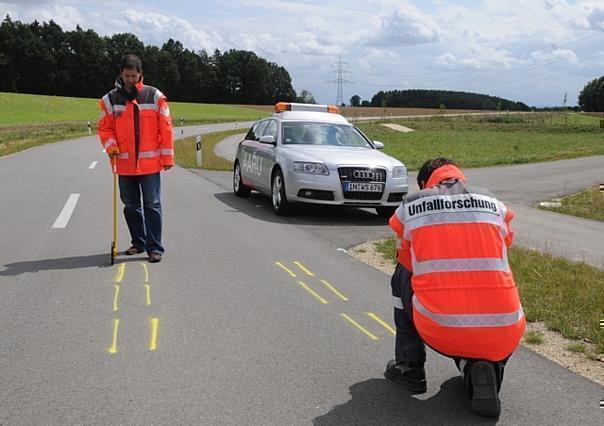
(43, 59)
(591, 97)
(443, 99)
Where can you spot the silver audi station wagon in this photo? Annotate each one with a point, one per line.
(312, 154)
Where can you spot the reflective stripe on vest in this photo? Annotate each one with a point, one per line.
(109, 143)
(165, 111)
(119, 108)
(123, 156)
(460, 265)
(151, 107)
(148, 154)
(167, 152)
(107, 103)
(470, 320)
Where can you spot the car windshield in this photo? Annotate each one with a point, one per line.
(322, 134)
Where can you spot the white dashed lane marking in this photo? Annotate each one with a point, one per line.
(67, 211)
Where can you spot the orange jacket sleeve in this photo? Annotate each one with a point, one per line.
(403, 247)
(509, 215)
(166, 144)
(106, 124)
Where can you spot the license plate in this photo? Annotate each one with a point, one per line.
(362, 187)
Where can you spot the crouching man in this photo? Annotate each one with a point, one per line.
(453, 288)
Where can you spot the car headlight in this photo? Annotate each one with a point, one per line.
(399, 171)
(311, 168)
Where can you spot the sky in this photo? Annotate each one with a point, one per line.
(533, 51)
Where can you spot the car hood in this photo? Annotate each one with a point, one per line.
(339, 156)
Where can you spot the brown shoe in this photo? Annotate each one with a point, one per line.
(134, 250)
(154, 258)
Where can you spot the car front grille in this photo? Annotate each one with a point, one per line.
(362, 175)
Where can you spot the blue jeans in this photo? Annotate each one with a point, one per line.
(144, 220)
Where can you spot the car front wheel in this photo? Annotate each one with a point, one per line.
(280, 203)
(239, 188)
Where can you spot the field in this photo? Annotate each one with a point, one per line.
(30, 120)
(480, 141)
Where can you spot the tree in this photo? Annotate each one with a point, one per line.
(591, 97)
(355, 101)
(365, 103)
(306, 97)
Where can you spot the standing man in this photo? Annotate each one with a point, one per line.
(136, 130)
(453, 288)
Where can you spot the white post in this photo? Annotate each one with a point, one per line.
(182, 131)
(89, 128)
(198, 149)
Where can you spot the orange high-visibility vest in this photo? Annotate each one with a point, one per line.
(454, 239)
(141, 128)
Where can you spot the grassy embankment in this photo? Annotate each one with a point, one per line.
(480, 141)
(588, 204)
(568, 297)
(31, 120)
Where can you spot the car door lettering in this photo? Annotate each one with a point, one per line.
(252, 164)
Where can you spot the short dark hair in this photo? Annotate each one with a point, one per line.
(131, 62)
(428, 168)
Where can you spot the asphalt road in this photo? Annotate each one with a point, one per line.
(221, 331)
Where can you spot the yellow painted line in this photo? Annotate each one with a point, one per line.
(382, 322)
(335, 291)
(148, 288)
(113, 348)
(311, 291)
(353, 322)
(306, 271)
(120, 273)
(116, 295)
(146, 272)
(286, 269)
(154, 327)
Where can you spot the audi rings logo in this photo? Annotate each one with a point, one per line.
(365, 174)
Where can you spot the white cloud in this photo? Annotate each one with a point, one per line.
(159, 28)
(480, 57)
(555, 55)
(403, 27)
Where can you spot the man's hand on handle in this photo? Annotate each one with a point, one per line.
(113, 150)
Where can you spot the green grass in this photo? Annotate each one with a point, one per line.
(576, 347)
(185, 153)
(491, 141)
(31, 120)
(588, 204)
(21, 109)
(533, 337)
(567, 296)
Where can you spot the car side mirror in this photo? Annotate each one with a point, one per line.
(267, 139)
(378, 145)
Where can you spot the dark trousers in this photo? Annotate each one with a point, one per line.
(409, 346)
(144, 220)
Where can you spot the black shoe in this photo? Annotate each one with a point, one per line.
(154, 257)
(134, 250)
(411, 376)
(485, 398)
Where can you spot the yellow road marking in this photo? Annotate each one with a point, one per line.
(382, 322)
(286, 269)
(146, 272)
(336, 292)
(154, 326)
(120, 273)
(148, 288)
(116, 295)
(310, 274)
(113, 348)
(353, 322)
(311, 291)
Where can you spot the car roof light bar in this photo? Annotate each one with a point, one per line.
(291, 106)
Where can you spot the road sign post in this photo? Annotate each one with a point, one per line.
(198, 150)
